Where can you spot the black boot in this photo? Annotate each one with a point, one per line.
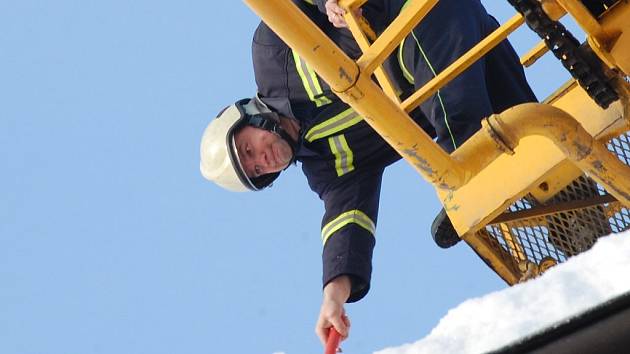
(443, 232)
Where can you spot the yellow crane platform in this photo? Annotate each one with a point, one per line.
(539, 182)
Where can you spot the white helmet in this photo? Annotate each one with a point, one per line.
(219, 157)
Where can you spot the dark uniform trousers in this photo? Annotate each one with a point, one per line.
(491, 85)
(341, 156)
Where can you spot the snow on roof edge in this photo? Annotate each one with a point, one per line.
(497, 319)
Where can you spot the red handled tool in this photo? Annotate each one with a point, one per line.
(333, 341)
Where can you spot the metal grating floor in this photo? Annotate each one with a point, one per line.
(542, 235)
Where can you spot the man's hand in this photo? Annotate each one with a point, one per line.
(335, 14)
(332, 313)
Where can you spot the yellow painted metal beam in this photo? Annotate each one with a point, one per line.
(461, 64)
(524, 169)
(362, 38)
(482, 245)
(616, 52)
(391, 38)
(351, 4)
(513, 243)
(534, 54)
(403, 134)
(553, 9)
(571, 138)
(588, 23)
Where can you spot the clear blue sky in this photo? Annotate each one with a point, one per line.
(112, 242)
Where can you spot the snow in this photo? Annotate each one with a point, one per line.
(500, 318)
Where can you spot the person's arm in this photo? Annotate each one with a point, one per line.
(348, 232)
(351, 197)
(332, 312)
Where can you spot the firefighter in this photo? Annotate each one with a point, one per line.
(296, 117)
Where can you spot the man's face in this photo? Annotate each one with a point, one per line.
(261, 151)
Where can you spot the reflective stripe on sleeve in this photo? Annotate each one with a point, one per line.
(333, 125)
(344, 157)
(353, 216)
(310, 81)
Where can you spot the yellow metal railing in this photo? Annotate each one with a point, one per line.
(461, 64)
(459, 177)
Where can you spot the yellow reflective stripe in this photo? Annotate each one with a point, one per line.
(344, 157)
(401, 63)
(310, 81)
(309, 2)
(439, 94)
(300, 69)
(320, 100)
(333, 125)
(353, 216)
